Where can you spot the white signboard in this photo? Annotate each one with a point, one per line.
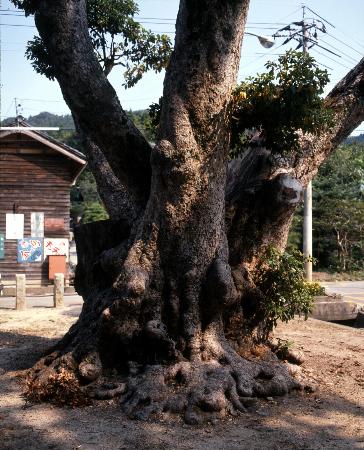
(14, 226)
(37, 224)
(55, 246)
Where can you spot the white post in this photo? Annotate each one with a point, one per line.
(307, 196)
(58, 292)
(20, 303)
(307, 231)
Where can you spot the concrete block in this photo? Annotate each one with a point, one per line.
(335, 310)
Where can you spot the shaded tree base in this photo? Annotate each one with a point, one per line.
(197, 390)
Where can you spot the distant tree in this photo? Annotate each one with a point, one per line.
(338, 215)
(355, 139)
(117, 39)
(94, 211)
(143, 121)
(47, 119)
(294, 241)
(338, 212)
(85, 200)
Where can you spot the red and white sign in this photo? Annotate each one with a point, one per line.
(55, 246)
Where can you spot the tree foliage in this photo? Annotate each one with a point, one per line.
(279, 102)
(144, 122)
(280, 278)
(338, 212)
(117, 37)
(93, 212)
(85, 200)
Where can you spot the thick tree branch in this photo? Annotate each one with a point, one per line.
(62, 24)
(113, 194)
(347, 102)
(257, 213)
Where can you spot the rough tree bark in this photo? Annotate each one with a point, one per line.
(168, 279)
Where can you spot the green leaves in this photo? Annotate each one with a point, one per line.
(338, 215)
(280, 102)
(120, 40)
(40, 60)
(93, 212)
(29, 6)
(85, 201)
(117, 38)
(280, 278)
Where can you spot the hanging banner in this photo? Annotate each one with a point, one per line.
(14, 226)
(55, 247)
(37, 224)
(2, 246)
(30, 250)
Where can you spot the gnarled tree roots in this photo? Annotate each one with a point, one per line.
(197, 390)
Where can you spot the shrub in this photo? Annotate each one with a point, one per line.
(280, 278)
(315, 288)
(279, 102)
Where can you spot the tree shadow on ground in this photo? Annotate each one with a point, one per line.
(105, 427)
(299, 421)
(21, 351)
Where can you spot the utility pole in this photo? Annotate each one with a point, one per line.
(307, 195)
(305, 33)
(17, 111)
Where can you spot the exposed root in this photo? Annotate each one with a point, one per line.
(219, 383)
(201, 391)
(107, 391)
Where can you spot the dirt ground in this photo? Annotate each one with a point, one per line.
(330, 418)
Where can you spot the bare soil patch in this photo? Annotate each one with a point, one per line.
(332, 417)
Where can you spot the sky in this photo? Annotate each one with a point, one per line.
(344, 37)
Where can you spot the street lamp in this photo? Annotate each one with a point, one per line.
(265, 41)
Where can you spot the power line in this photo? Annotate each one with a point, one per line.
(344, 43)
(331, 59)
(313, 12)
(324, 65)
(12, 10)
(11, 14)
(337, 49)
(270, 52)
(17, 25)
(142, 22)
(360, 44)
(40, 100)
(321, 46)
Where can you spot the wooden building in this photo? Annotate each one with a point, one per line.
(36, 174)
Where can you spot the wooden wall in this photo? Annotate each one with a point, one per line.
(35, 179)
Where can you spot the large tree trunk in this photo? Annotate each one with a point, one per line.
(167, 284)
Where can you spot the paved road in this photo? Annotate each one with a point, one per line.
(350, 290)
(41, 301)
